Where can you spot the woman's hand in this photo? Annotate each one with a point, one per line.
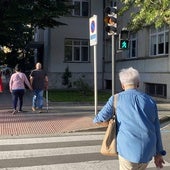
(158, 160)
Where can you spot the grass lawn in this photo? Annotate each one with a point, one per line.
(77, 96)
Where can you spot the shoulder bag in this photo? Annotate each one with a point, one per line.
(109, 145)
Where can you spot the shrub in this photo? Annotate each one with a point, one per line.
(81, 85)
(66, 78)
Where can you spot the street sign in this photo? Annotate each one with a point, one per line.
(93, 30)
(93, 42)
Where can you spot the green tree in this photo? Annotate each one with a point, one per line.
(147, 12)
(18, 20)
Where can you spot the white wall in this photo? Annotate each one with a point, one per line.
(77, 27)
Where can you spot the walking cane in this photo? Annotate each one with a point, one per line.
(47, 99)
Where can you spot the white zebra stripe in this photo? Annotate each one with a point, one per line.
(91, 165)
(48, 152)
(17, 141)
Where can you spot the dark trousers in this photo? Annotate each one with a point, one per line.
(17, 94)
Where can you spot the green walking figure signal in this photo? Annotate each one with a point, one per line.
(124, 40)
(124, 44)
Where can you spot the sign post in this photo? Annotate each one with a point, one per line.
(93, 42)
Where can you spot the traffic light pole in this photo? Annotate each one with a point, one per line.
(113, 64)
(111, 29)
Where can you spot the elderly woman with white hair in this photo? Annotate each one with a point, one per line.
(138, 128)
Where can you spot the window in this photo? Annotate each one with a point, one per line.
(133, 46)
(158, 90)
(80, 8)
(108, 84)
(76, 50)
(159, 41)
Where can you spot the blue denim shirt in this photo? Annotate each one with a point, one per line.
(138, 128)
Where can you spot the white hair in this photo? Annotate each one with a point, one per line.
(129, 76)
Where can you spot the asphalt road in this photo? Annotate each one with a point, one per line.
(70, 151)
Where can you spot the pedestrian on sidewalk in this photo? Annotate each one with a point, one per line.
(138, 128)
(1, 84)
(17, 88)
(39, 83)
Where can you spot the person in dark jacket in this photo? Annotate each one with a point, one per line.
(39, 82)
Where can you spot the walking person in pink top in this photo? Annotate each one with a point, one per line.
(17, 88)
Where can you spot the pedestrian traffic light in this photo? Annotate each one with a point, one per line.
(124, 34)
(111, 20)
(124, 44)
(124, 39)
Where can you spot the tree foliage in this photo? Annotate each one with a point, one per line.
(149, 12)
(18, 18)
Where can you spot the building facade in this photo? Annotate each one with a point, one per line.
(68, 47)
(149, 53)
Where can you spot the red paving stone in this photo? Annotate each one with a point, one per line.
(39, 124)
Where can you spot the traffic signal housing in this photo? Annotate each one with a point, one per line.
(124, 44)
(111, 20)
(124, 40)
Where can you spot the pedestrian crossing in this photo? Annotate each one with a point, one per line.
(72, 151)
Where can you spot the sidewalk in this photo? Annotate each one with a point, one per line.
(60, 118)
